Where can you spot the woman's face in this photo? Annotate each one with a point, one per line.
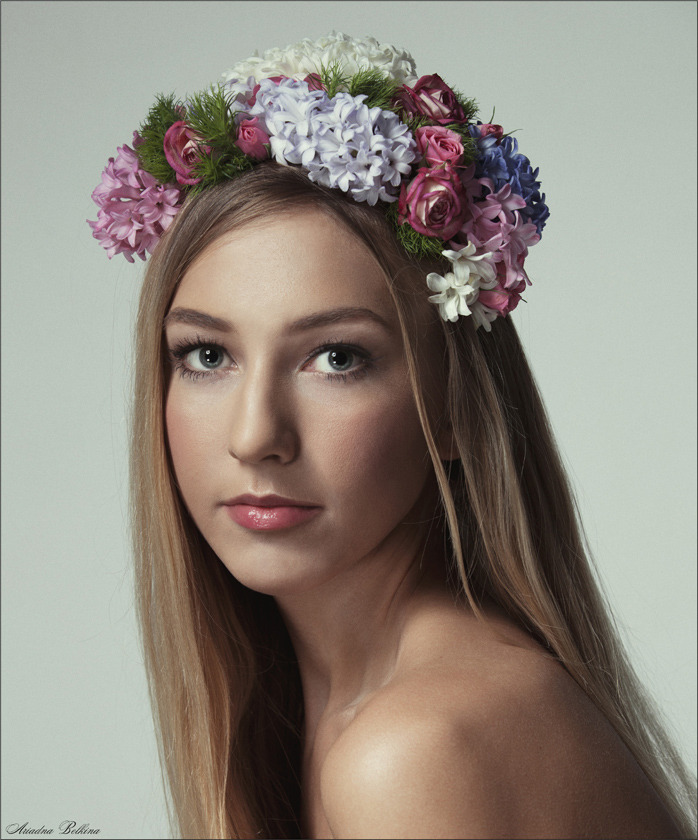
(290, 418)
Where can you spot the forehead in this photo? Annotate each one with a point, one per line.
(283, 268)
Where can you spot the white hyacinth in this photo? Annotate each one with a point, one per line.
(353, 54)
(340, 142)
(287, 112)
(458, 291)
(363, 151)
(239, 92)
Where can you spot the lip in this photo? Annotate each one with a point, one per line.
(269, 513)
(269, 500)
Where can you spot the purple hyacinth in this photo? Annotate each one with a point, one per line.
(502, 163)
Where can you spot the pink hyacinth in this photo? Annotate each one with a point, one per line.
(134, 210)
(494, 224)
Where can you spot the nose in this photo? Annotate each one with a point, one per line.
(262, 426)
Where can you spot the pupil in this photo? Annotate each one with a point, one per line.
(208, 356)
(340, 359)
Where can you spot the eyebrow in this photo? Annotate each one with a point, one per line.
(193, 317)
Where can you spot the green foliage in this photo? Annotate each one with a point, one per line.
(332, 78)
(378, 88)
(417, 244)
(217, 167)
(415, 122)
(209, 114)
(165, 111)
(469, 106)
(469, 149)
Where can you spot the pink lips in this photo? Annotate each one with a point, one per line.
(269, 513)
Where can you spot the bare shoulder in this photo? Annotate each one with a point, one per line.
(495, 742)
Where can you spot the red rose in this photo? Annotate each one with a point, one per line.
(439, 146)
(488, 128)
(252, 140)
(183, 148)
(434, 202)
(431, 97)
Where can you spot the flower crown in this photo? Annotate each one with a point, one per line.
(354, 116)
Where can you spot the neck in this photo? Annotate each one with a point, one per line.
(347, 632)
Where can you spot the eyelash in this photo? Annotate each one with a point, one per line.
(363, 357)
(182, 349)
(178, 353)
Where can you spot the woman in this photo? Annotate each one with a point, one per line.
(366, 606)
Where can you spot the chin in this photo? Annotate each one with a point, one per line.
(277, 576)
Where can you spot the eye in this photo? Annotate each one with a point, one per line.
(336, 360)
(208, 357)
(339, 362)
(197, 358)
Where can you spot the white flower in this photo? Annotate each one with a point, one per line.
(458, 291)
(361, 150)
(340, 142)
(240, 92)
(298, 60)
(483, 315)
(287, 111)
(359, 53)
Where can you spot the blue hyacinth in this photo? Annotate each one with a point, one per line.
(502, 164)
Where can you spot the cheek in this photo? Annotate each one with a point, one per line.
(375, 450)
(191, 439)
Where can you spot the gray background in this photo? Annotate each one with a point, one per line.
(604, 94)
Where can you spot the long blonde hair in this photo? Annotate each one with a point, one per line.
(224, 683)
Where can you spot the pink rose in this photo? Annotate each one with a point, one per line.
(183, 148)
(502, 300)
(431, 97)
(434, 202)
(488, 128)
(252, 140)
(440, 146)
